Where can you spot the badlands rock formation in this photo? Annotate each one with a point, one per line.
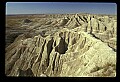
(61, 45)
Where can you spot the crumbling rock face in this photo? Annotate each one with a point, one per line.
(68, 46)
(57, 55)
(103, 27)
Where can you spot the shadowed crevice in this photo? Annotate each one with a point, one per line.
(62, 47)
(27, 72)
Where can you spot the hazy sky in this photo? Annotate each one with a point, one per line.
(60, 7)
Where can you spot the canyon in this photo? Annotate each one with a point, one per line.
(61, 45)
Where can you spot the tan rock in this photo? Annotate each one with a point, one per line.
(72, 45)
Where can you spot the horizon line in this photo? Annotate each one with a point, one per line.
(58, 13)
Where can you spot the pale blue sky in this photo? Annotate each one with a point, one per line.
(60, 7)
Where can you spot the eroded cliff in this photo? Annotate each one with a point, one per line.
(63, 45)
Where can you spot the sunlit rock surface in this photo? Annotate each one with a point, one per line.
(61, 45)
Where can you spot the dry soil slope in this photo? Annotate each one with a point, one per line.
(74, 45)
(68, 53)
(103, 27)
